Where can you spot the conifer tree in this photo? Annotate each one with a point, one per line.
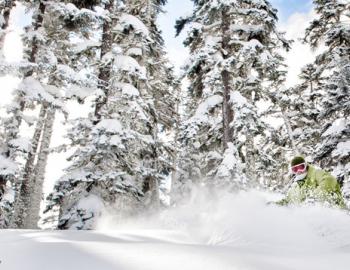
(14, 144)
(51, 74)
(233, 57)
(160, 88)
(305, 110)
(117, 147)
(331, 26)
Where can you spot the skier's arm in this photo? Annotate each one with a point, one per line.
(329, 189)
(283, 202)
(286, 200)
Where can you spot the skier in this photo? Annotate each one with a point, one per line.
(312, 185)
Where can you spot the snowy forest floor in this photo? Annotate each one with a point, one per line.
(230, 232)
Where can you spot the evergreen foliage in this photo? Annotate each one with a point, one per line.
(119, 155)
(234, 60)
(333, 67)
(141, 132)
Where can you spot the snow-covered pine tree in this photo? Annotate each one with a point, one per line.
(117, 144)
(14, 144)
(81, 178)
(161, 97)
(51, 76)
(30, 93)
(332, 27)
(202, 133)
(233, 60)
(107, 165)
(35, 94)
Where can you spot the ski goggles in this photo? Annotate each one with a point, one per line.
(299, 168)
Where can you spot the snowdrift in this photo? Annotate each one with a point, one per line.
(213, 231)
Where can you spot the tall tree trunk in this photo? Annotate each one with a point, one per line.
(227, 112)
(154, 181)
(176, 137)
(250, 158)
(27, 186)
(38, 177)
(104, 70)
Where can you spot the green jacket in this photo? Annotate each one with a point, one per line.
(319, 186)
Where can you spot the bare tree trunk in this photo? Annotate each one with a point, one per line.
(227, 112)
(250, 158)
(104, 70)
(154, 181)
(176, 137)
(38, 177)
(27, 186)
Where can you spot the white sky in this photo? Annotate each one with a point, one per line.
(293, 24)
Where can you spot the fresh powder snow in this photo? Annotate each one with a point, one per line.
(214, 230)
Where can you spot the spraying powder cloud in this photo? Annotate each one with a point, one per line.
(245, 219)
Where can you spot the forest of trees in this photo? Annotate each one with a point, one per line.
(144, 128)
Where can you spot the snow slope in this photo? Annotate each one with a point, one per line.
(229, 232)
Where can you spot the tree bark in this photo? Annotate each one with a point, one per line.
(104, 70)
(250, 158)
(227, 112)
(176, 137)
(38, 177)
(154, 181)
(26, 186)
